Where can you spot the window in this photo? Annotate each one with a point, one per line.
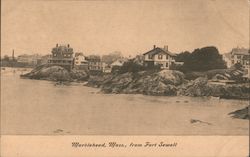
(159, 56)
(150, 56)
(166, 56)
(166, 64)
(54, 55)
(238, 57)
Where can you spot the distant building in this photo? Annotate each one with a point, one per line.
(80, 61)
(228, 59)
(28, 59)
(246, 65)
(237, 55)
(106, 68)
(94, 63)
(159, 56)
(62, 56)
(118, 62)
(44, 60)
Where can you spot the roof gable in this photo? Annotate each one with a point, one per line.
(158, 51)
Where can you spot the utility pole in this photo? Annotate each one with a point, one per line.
(13, 58)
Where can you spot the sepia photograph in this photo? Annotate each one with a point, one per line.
(125, 68)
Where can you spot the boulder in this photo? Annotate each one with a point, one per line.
(198, 87)
(55, 73)
(79, 75)
(171, 77)
(241, 114)
(144, 82)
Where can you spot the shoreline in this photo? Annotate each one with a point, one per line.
(163, 83)
(176, 100)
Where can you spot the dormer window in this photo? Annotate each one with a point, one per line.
(166, 56)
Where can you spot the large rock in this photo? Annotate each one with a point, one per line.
(201, 87)
(117, 84)
(197, 87)
(144, 82)
(55, 73)
(171, 77)
(241, 114)
(79, 75)
(230, 91)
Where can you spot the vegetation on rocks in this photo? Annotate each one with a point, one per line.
(55, 73)
(152, 82)
(144, 82)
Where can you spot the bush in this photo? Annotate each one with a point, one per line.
(204, 59)
(131, 66)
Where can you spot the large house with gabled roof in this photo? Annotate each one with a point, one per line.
(159, 56)
(62, 55)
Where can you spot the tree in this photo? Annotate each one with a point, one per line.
(130, 66)
(204, 59)
(182, 57)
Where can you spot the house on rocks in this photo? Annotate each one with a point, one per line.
(62, 55)
(80, 61)
(159, 56)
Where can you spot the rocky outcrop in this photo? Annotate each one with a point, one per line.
(164, 82)
(221, 74)
(201, 87)
(197, 87)
(241, 114)
(144, 82)
(55, 73)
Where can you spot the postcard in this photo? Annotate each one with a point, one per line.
(125, 78)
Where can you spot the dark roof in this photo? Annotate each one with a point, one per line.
(62, 49)
(159, 50)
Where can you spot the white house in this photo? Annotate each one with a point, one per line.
(80, 62)
(159, 56)
(118, 62)
(237, 55)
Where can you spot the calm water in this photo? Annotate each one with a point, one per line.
(41, 107)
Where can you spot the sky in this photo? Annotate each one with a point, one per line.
(130, 26)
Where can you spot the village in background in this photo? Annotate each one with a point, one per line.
(163, 58)
(204, 72)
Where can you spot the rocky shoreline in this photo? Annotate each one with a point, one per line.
(156, 83)
(56, 73)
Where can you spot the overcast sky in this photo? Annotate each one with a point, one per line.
(132, 26)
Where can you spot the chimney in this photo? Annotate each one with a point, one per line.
(56, 45)
(166, 47)
(154, 46)
(13, 54)
(68, 45)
